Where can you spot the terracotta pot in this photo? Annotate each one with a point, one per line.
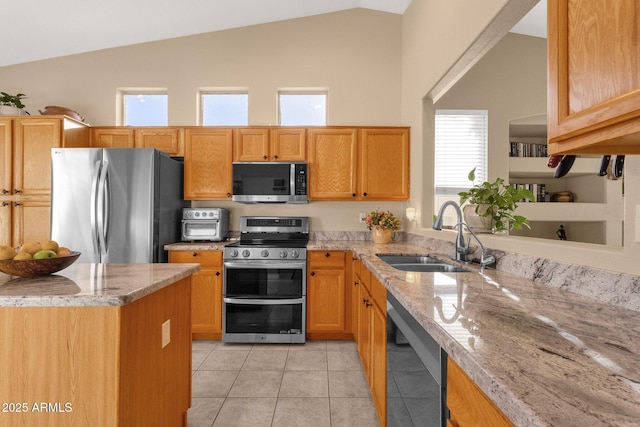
(380, 235)
(479, 224)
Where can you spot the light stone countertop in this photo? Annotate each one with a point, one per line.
(91, 284)
(544, 355)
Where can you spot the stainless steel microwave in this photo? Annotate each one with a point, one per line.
(270, 182)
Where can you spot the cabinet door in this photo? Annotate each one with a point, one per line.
(384, 164)
(379, 348)
(6, 211)
(251, 145)
(594, 77)
(112, 137)
(332, 163)
(325, 300)
(207, 164)
(206, 292)
(288, 144)
(6, 159)
(31, 221)
(33, 140)
(169, 140)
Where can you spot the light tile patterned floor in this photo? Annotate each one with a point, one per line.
(320, 383)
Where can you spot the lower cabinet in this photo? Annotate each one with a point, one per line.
(206, 292)
(468, 405)
(372, 336)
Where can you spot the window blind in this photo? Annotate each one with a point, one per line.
(460, 145)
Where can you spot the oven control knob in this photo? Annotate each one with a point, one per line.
(283, 253)
(294, 254)
(264, 253)
(246, 253)
(233, 253)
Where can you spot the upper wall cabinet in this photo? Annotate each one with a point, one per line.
(269, 145)
(593, 77)
(163, 138)
(112, 137)
(359, 163)
(207, 163)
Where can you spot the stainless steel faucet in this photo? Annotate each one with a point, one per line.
(462, 248)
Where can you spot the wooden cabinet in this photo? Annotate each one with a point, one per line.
(332, 163)
(163, 138)
(358, 163)
(167, 139)
(372, 337)
(206, 292)
(99, 365)
(593, 77)
(384, 164)
(25, 181)
(208, 155)
(467, 404)
(112, 137)
(269, 144)
(328, 305)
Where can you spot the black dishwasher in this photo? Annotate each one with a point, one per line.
(416, 372)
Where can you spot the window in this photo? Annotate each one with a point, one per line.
(224, 108)
(300, 108)
(460, 145)
(145, 108)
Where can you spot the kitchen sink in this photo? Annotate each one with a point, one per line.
(420, 263)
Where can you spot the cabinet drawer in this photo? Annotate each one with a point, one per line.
(204, 258)
(321, 259)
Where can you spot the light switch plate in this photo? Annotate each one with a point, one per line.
(362, 216)
(166, 333)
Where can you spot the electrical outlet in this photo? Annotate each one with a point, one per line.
(362, 216)
(166, 333)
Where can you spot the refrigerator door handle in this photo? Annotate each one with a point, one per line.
(95, 182)
(102, 203)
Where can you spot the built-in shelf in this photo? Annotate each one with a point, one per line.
(536, 167)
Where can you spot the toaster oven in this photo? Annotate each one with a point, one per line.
(209, 224)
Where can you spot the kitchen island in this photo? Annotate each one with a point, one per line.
(97, 344)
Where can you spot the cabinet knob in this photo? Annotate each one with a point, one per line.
(5, 191)
(313, 273)
(228, 194)
(275, 157)
(5, 203)
(353, 194)
(217, 273)
(356, 283)
(264, 157)
(16, 191)
(366, 302)
(194, 254)
(364, 194)
(327, 255)
(16, 204)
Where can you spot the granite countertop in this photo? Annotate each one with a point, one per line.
(91, 284)
(546, 357)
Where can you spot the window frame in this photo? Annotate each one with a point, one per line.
(121, 95)
(303, 91)
(219, 91)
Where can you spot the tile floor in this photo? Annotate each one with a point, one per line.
(320, 383)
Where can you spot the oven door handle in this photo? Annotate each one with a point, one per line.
(248, 301)
(265, 264)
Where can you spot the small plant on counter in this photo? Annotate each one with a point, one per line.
(382, 219)
(497, 201)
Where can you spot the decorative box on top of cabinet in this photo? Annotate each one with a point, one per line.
(593, 77)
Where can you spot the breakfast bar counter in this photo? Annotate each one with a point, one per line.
(97, 344)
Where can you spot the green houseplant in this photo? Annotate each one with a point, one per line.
(495, 202)
(13, 102)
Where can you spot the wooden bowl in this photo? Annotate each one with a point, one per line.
(37, 267)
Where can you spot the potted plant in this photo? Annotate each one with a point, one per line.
(494, 204)
(11, 105)
(381, 223)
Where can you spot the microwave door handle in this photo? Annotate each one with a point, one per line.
(292, 180)
(248, 301)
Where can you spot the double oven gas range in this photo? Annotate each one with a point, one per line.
(265, 285)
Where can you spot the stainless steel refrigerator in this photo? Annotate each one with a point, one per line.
(116, 205)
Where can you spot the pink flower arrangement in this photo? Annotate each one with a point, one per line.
(382, 219)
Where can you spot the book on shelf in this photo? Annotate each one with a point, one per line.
(539, 191)
(527, 149)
